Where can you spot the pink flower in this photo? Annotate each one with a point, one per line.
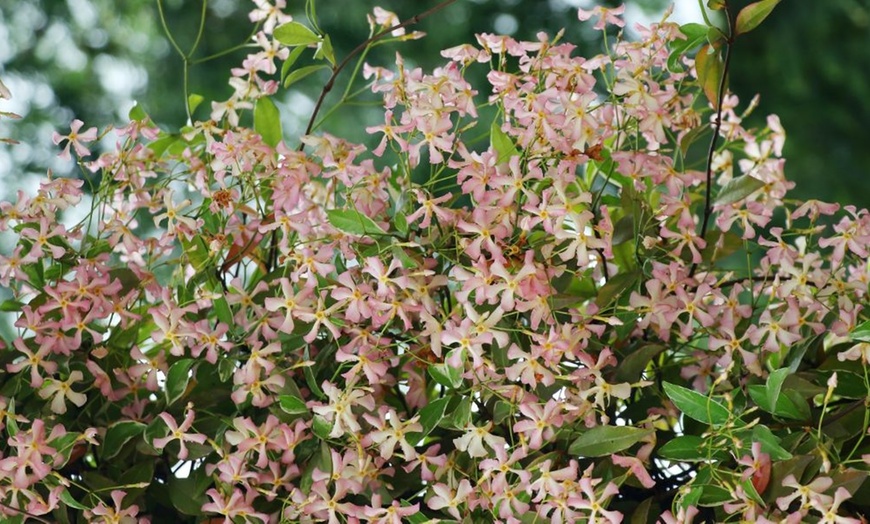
(606, 16)
(75, 139)
(179, 433)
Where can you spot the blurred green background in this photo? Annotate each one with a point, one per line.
(91, 59)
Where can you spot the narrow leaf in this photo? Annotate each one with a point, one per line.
(267, 121)
(432, 414)
(709, 68)
(696, 405)
(605, 440)
(685, 448)
(774, 385)
(301, 73)
(291, 59)
(502, 143)
(294, 33)
(177, 379)
(737, 189)
(292, 405)
(119, 434)
(752, 15)
(353, 222)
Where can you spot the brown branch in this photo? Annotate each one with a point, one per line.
(717, 125)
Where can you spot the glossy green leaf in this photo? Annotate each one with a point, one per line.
(119, 434)
(401, 223)
(11, 306)
(861, 332)
(292, 405)
(321, 427)
(291, 59)
(301, 73)
(697, 406)
(769, 443)
(70, 501)
(752, 15)
(461, 416)
(502, 144)
(325, 51)
(267, 121)
(432, 414)
(294, 33)
(137, 114)
(709, 66)
(187, 494)
(193, 101)
(687, 448)
(632, 366)
(713, 495)
(774, 385)
(737, 189)
(445, 375)
(353, 222)
(177, 379)
(606, 440)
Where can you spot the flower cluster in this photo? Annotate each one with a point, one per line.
(542, 327)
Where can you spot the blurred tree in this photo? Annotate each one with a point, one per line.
(809, 61)
(92, 58)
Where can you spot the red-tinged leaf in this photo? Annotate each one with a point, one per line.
(752, 15)
(709, 68)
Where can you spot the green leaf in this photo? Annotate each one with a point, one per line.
(861, 332)
(415, 518)
(68, 499)
(353, 222)
(177, 379)
(737, 189)
(292, 405)
(267, 121)
(188, 494)
(774, 385)
(709, 66)
(769, 443)
(432, 414)
(502, 143)
(193, 101)
(713, 495)
(321, 427)
(401, 223)
(615, 286)
(294, 33)
(632, 367)
(696, 405)
(606, 440)
(685, 448)
(716, 5)
(461, 416)
(11, 306)
(445, 375)
(301, 73)
(752, 15)
(291, 59)
(325, 50)
(119, 434)
(137, 114)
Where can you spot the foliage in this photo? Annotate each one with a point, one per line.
(562, 302)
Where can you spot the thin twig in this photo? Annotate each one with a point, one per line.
(717, 124)
(336, 70)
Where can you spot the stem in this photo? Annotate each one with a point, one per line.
(716, 125)
(336, 70)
